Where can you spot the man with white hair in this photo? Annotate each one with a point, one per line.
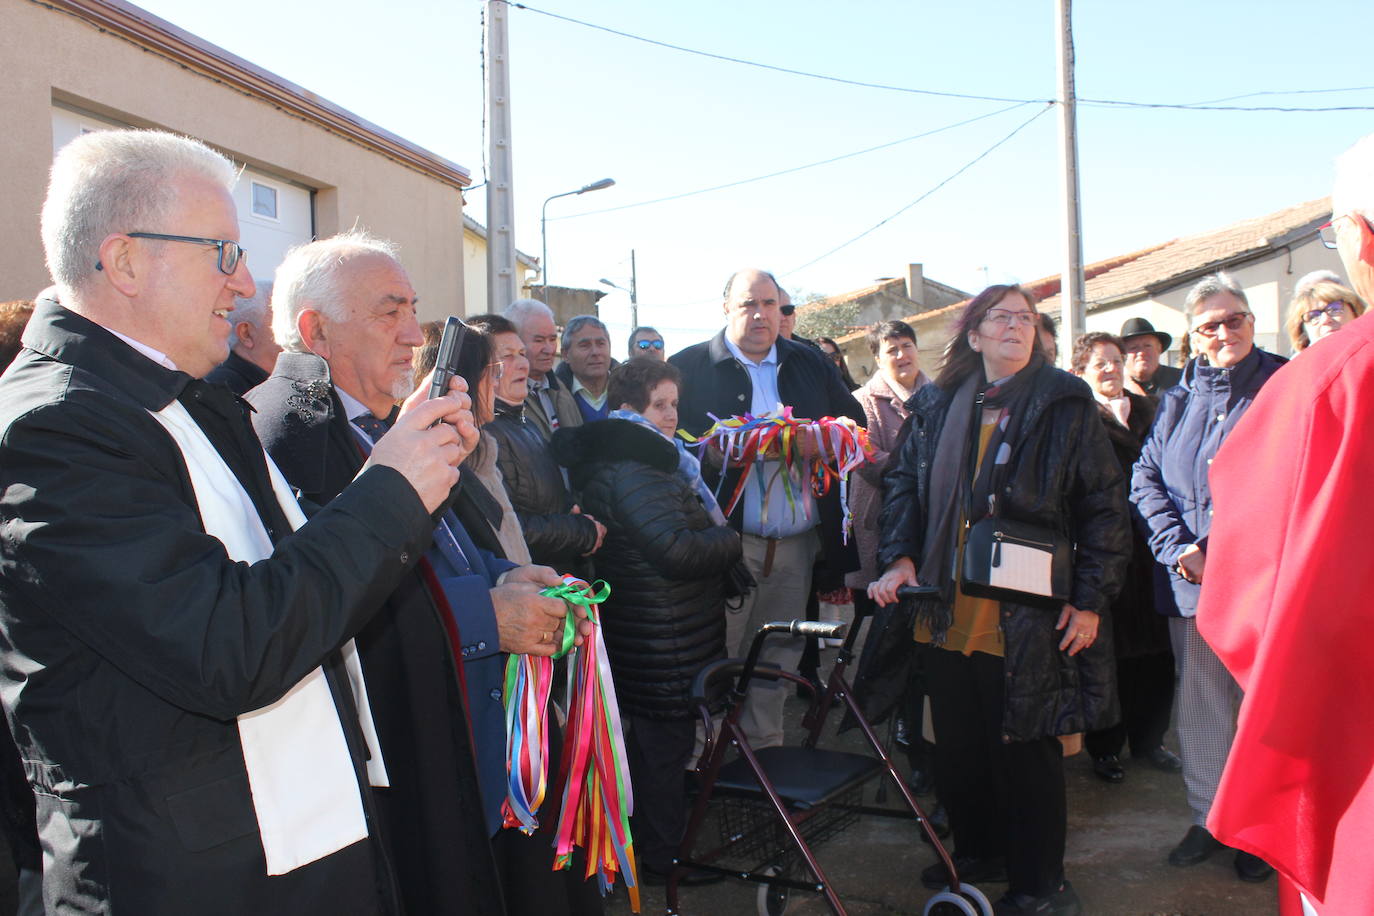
(253, 351)
(550, 404)
(344, 311)
(1287, 598)
(177, 664)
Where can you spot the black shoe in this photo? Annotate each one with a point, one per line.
(1108, 768)
(938, 818)
(1163, 759)
(971, 871)
(920, 782)
(1252, 868)
(1197, 846)
(1063, 902)
(693, 878)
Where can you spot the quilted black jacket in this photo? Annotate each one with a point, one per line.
(556, 537)
(1064, 476)
(663, 557)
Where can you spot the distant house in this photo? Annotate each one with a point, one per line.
(310, 168)
(1266, 255)
(884, 300)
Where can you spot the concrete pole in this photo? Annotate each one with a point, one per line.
(1073, 315)
(501, 290)
(634, 293)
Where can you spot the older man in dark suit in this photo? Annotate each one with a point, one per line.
(345, 315)
(175, 652)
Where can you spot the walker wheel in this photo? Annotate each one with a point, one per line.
(773, 898)
(970, 901)
(948, 903)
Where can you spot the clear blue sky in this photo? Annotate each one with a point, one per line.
(588, 105)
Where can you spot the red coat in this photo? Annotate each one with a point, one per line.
(1288, 605)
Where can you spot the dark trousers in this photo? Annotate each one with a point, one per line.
(525, 863)
(1146, 686)
(1003, 798)
(658, 751)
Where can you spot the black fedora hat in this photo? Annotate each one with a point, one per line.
(1139, 327)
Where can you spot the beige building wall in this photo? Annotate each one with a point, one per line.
(54, 54)
(475, 270)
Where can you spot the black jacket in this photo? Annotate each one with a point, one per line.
(1137, 629)
(714, 382)
(432, 813)
(663, 556)
(1063, 476)
(534, 482)
(237, 374)
(131, 642)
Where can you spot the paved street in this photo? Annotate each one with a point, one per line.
(1119, 836)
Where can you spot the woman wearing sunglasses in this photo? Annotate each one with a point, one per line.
(1319, 310)
(1170, 490)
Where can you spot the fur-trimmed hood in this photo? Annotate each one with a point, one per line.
(581, 448)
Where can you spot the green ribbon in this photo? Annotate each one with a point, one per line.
(580, 594)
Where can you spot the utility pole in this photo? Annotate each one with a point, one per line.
(634, 293)
(501, 290)
(1072, 310)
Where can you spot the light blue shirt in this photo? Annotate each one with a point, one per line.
(777, 518)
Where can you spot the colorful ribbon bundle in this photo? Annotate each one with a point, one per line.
(597, 798)
(745, 440)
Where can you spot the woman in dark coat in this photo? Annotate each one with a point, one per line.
(1011, 677)
(1140, 635)
(666, 556)
(557, 533)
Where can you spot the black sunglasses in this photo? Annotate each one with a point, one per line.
(787, 309)
(230, 252)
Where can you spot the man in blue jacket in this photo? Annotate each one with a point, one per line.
(1169, 488)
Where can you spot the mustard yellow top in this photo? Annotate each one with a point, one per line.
(974, 627)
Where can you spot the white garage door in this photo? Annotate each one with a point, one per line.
(274, 213)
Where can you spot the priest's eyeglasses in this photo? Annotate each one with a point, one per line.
(230, 253)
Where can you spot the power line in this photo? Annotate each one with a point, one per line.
(775, 69)
(955, 95)
(961, 170)
(789, 171)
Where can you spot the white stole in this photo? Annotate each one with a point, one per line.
(300, 771)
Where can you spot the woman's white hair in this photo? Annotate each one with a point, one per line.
(310, 278)
(1353, 191)
(114, 181)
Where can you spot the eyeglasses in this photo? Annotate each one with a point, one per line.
(1334, 309)
(647, 344)
(1233, 322)
(1327, 234)
(496, 370)
(1006, 317)
(230, 253)
(787, 309)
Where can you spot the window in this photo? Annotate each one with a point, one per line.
(264, 200)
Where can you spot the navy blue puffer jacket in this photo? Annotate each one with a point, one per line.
(1169, 483)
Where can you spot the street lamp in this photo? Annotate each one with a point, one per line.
(543, 235)
(633, 291)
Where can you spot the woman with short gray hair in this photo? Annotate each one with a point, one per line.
(1170, 490)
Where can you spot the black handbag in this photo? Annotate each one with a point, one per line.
(1013, 561)
(1016, 561)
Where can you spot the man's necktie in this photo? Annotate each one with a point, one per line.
(374, 426)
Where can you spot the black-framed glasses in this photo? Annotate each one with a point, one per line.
(648, 344)
(787, 309)
(1233, 322)
(1334, 309)
(230, 252)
